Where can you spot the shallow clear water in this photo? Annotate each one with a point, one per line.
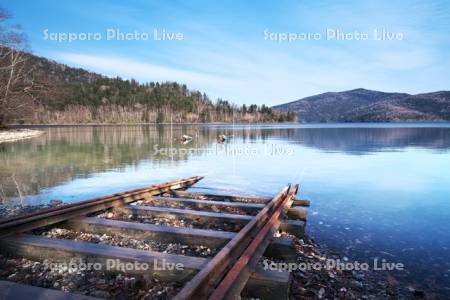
(376, 190)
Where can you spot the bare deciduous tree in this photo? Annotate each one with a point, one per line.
(17, 87)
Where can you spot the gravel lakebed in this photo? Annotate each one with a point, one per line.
(174, 222)
(9, 211)
(127, 242)
(93, 283)
(338, 283)
(208, 208)
(306, 284)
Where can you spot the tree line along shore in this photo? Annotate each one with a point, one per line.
(35, 90)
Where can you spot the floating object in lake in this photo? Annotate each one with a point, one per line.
(222, 138)
(185, 139)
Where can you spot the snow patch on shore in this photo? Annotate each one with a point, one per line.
(13, 135)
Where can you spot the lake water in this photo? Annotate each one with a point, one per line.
(376, 190)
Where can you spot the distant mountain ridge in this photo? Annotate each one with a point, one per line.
(362, 105)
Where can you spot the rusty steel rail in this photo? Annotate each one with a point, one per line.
(55, 215)
(223, 276)
(205, 281)
(236, 279)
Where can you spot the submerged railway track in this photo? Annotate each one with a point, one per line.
(238, 230)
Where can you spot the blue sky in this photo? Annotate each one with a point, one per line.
(225, 52)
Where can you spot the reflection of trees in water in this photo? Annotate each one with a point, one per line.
(366, 140)
(67, 152)
(64, 153)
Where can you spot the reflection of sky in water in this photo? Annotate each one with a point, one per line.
(375, 192)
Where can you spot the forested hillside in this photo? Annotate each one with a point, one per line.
(77, 96)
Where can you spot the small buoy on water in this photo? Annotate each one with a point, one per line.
(222, 138)
(185, 138)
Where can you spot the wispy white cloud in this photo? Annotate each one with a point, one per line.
(406, 60)
(230, 59)
(143, 71)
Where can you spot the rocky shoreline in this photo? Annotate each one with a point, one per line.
(9, 211)
(12, 135)
(306, 284)
(335, 283)
(311, 284)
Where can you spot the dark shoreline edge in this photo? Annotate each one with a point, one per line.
(442, 124)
